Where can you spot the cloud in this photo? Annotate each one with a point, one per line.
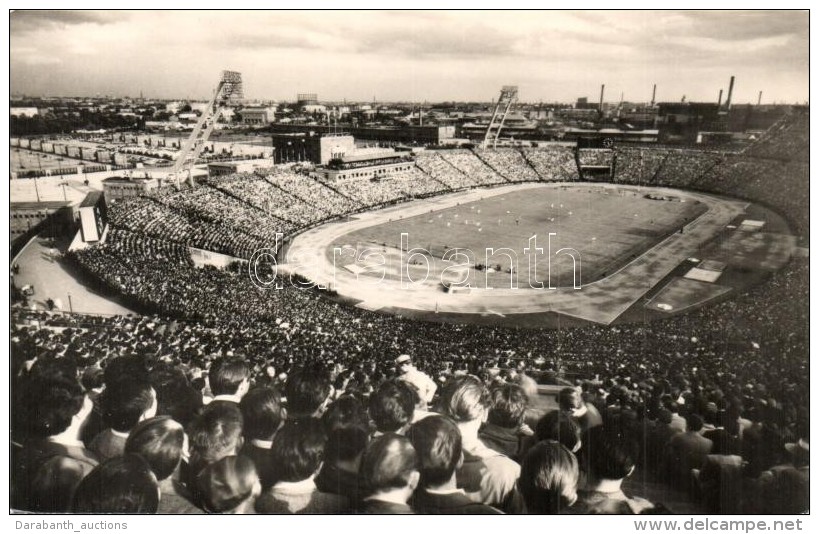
(264, 42)
(437, 40)
(27, 21)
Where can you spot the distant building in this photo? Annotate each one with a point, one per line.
(223, 168)
(119, 187)
(257, 116)
(372, 166)
(409, 135)
(27, 218)
(311, 146)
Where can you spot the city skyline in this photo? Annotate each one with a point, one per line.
(553, 56)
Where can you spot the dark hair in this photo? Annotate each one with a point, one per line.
(298, 450)
(693, 422)
(120, 485)
(159, 441)
(306, 391)
(548, 478)
(437, 441)
(226, 375)
(345, 412)
(569, 399)
(125, 368)
(561, 427)
(49, 406)
(610, 454)
(226, 483)
(392, 406)
(182, 402)
(215, 433)
(263, 413)
(463, 399)
(388, 463)
(125, 402)
(508, 408)
(344, 444)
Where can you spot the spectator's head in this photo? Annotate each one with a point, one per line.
(160, 441)
(120, 485)
(125, 368)
(508, 406)
(345, 446)
(126, 403)
(345, 412)
(611, 455)
(263, 413)
(570, 400)
(392, 406)
(390, 464)
(308, 393)
(229, 376)
(215, 433)
(561, 427)
(465, 400)
(181, 402)
(694, 422)
(298, 450)
(403, 363)
(437, 442)
(228, 485)
(53, 407)
(548, 478)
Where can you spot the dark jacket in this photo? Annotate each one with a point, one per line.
(456, 503)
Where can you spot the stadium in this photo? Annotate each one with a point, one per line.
(619, 312)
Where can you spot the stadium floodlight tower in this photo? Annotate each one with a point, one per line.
(227, 93)
(508, 97)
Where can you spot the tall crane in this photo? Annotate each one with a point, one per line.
(508, 96)
(227, 93)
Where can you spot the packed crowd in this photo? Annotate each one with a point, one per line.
(552, 164)
(469, 164)
(510, 164)
(437, 168)
(714, 403)
(595, 156)
(787, 140)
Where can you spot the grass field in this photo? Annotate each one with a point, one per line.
(607, 227)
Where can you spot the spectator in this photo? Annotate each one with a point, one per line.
(390, 471)
(571, 402)
(686, 451)
(424, 384)
(502, 431)
(263, 415)
(560, 427)
(124, 404)
(229, 486)
(229, 379)
(216, 433)
(548, 478)
(121, 485)
(437, 442)
(308, 393)
(296, 455)
(610, 461)
(162, 443)
(52, 461)
(486, 475)
(392, 406)
(342, 461)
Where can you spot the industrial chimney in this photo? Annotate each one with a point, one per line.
(654, 95)
(602, 90)
(730, 92)
(719, 101)
(759, 100)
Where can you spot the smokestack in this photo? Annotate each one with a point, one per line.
(602, 90)
(719, 101)
(654, 95)
(759, 100)
(730, 92)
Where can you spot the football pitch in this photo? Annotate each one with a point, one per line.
(547, 234)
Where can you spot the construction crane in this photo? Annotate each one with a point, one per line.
(227, 93)
(508, 97)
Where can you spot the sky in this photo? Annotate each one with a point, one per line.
(415, 56)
